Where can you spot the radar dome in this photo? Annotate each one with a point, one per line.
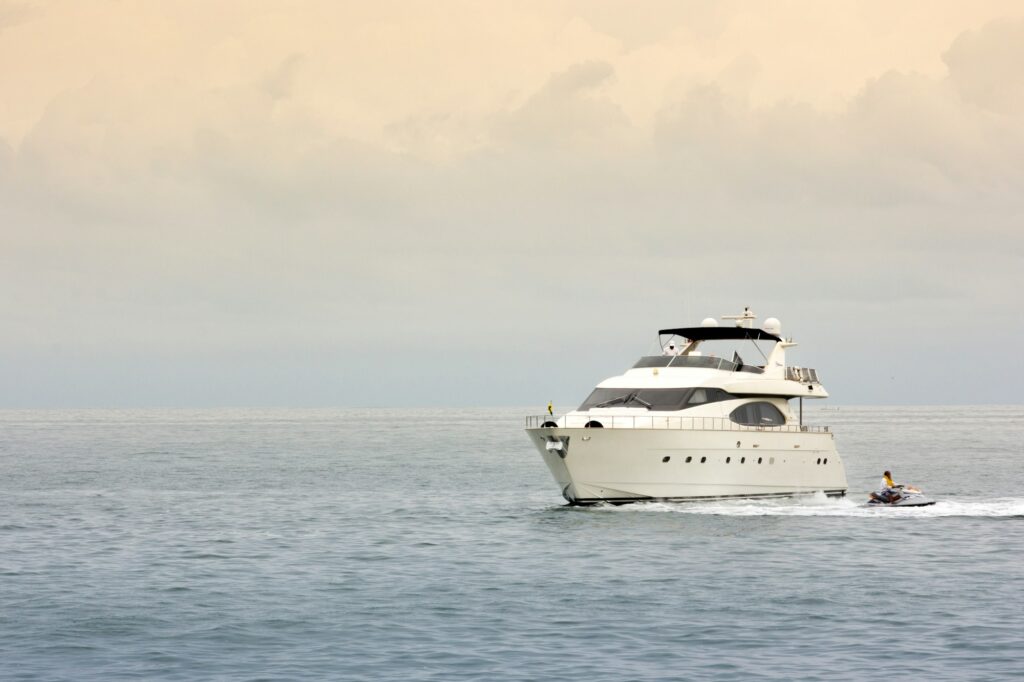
(772, 326)
(709, 322)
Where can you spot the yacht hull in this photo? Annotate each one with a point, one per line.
(593, 465)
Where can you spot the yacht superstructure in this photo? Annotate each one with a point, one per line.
(690, 424)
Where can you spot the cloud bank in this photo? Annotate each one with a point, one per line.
(341, 206)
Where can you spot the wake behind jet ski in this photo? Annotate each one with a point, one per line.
(892, 495)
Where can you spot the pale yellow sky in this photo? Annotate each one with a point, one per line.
(354, 69)
(271, 191)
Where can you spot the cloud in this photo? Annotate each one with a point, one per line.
(280, 82)
(980, 62)
(253, 211)
(567, 112)
(904, 138)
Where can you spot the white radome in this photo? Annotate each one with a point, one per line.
(773, 326)
(709, 322)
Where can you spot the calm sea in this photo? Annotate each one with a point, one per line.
(433, 545)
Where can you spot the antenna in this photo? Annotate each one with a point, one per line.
(744, 320)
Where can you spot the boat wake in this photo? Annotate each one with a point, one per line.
(820, 505)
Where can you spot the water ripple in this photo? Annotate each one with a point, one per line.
(332, 544)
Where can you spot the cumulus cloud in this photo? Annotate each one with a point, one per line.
(980, 62)
(904, 138)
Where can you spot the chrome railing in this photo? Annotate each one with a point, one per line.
(650, 422)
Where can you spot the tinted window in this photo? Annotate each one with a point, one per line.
(653, 361)
(649, 398)
(758, 414)
(698, 397)
(701, 396)
(661, 399)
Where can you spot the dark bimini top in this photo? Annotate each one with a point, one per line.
(708, 333)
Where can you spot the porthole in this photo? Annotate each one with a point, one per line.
(689, 459)
(703, 459)
(826, 460)
(759, 460)
(665, 458)
(819, 460)
(743, 460)
(728, 459)
(737, 443)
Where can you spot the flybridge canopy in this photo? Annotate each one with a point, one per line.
(709, 333)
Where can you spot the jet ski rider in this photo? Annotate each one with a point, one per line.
(887, 481)
(887, 489)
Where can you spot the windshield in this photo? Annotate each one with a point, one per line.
(740, 353)
(659, 399)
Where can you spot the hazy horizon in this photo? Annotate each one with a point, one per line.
(248, 204)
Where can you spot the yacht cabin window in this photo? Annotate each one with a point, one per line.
(758, 414)
(658, 399)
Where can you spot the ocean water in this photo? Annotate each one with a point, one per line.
(433, 545)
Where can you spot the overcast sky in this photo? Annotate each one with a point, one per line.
(492, 203)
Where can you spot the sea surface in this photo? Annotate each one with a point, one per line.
(433, 545)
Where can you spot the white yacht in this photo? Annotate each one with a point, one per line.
(695, 423)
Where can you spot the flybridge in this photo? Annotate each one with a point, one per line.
(690, 349)
(692, 352)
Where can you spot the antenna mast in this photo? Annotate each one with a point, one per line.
(744, 320)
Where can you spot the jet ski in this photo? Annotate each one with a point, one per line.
(900, 496)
